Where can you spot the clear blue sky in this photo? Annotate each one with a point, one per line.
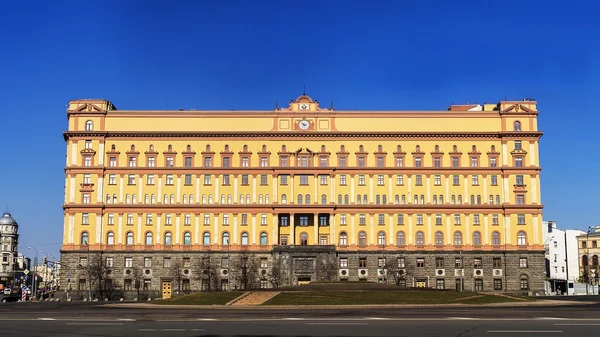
(248, 54)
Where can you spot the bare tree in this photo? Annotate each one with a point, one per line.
(276, 275)
(247, 268)
(327, 267)
(393, 270)
(137, 277)
(98, 273)
(208, 273)
(176, 272)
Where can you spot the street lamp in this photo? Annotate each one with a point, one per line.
(589, 276)
(34, 284)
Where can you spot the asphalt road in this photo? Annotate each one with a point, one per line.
(93, 319)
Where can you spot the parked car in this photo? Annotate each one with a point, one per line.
(9, 298)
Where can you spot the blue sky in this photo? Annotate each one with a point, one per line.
(248, 54)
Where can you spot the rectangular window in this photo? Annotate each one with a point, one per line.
(111, 219)
(187, 180)
(439, 262)
(380, 162)
(520, 219)
(476, 219)
(303, 221)
(323, 179)
(323, 161)
(323, 240)
(518, 145)
(400, 180)
(343, 219)
(148, 219)
(440, 284)
(497, 284)
(520, 199)
(437, 180)
(131, 179)
(225, 219)
(362, 219)
(283, 179)
(519, 180)
(457, 263)
(110, 262)
(207, 161)
(474, 162)
(244, 179)
(132, 162)
(420, 219)
(419, 180)
(478, 284)
(112, 161)
(226, 180)
(362, 262)
(401, 262)
(438, 219)
(495, 219)
(112, 179)
(523, 262)
(380, 180)
(87, 161)
(245, 161)
(166, 262)
(207, 219)
(477, 263)
(85, 219)
(151, 161)
(343, 262)
(264, 179)
(188, 162)
(455, 162)
(226, 161)
(497, 263)
(400, 219)
(494, 180)
(150, 179)
(361, 161)
(87, 179)
(493, 162)
(244, 219)
(399, 161)
(361, 180)
(128, 262)
(284, 161)
(264, 162)
(86, 198)
(457, 219)
(343, 180)
(167, 219)
(437, 162)
(455, 180)
(420, 262)
(381, 219)
(207, 179)
(263, 219)
(169, 179)
(475, 180)
(343, 162)
(170, 161)
(303, 179)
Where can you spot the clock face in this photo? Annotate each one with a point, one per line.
(303, 106)
(304, 124)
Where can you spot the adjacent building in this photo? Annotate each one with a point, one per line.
(446, 199)
(589, 252)
(562, 258)
(9, 249)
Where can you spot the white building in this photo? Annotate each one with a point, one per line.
(562, 257)
(9, 247)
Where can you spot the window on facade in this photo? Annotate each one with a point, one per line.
(420, 238)
(89, 125)
(420, 262)
(148, 240)
(439, 239)
(495, 238)
(457, 238)
(518, 162)
(362, 238)
(521, 238)
(418, 180)
(400, 239)
(129, 238)
(381, 238)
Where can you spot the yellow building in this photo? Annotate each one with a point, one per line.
(452, 195)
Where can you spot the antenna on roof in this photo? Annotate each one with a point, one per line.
(331, 108)
(304, 92)
(276, 105)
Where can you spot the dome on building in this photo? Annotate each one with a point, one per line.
(7, 219)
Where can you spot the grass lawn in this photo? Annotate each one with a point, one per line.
(203, 298)
(382, 297)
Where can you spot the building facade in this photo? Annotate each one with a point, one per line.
(562, 258)
(9, 249)
(589, 254)
(442, 199)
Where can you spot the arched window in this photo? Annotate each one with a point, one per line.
(245, 148)
(457, 238)
(267, 199)
(358, 198)
(343, 239)
(153, 199)
(148, 238)
(474, 148)
(229, 199)
(397, 199)
(188, 148)
(283, 199)
(263, 239)
(346, 199)
(400, 239)
(441, 199)
(454, 148)
(472, 199)
(497, 199)
(422, 199)
(517, 126)
(435, 199)
(84, 238)
(416, 201)
(110, 238)
(283, 148)
(524, 282)
(361, 148)
(89, 125)
(399, 148)
(477, 239)
(379, 148)
(418, 148)
(381, 238)
(420, 238)
(113, 147)
(151, 147)
(299, 199)
(403, 199)
(362, 238)
(384, 199)
(307, 199)
(496, 238)
(339, 199)
(491, 199)
(323, 199)
(204, 199)
(460, 199)
(129, 238)
(585, 261)
(108, 198)
(168, 240)
(453, 199)
(260, 199)
(127, 199)
(377, 199)
(225, 239)
(185, 200)
(248, 199)
(342, 148)
(222, 199)
(439, 239)
(478, 199)
(521, 238)
(264, 148)
(165, 199)
(191, 198)
(172, 199)
(322, 148)
(187, 239)
(207, 148)
(595, 261)
(206, 239)
(170, 148)
(437, 148)
(244, 239)
(303, 239)
(132, 147)
(242, 199)
(226, 147)
(493, 148)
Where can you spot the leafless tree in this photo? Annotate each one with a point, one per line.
(137, 278)
(176, 272)
(246, 266)
(276, 275)
(327, 267)
(393, 270)
(208, 273)
(99, 275)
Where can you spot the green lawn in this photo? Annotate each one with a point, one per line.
(381, 297)
(203, 298)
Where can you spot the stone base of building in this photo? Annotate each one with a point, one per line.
(169, 272)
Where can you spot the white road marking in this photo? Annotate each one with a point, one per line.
(551, 318)
(147, 329)
(92, 323)
(524, 331)
(336, 323)
(463, 318)
(126, 319)
(173, 330)
(292, 319)
(378, 318)
(47, 319)
(206, 319)
(578, 324)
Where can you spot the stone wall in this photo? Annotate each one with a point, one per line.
(305, 263)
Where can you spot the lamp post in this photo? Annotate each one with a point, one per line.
(45, 263)
(34, 284)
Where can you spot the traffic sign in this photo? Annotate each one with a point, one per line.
(26, 271)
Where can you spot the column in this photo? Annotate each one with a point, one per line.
(486, 230)
(72, 189)
(72, 229)
(428, 184)
(120, 228)
(390, 192)
(292, 240)
(217, 197)
(316, 199)
(352, 196)
(466, 198)
(157, 234)
(121, 186)
(139, 229)
(536, 236)
(215, 233)
(178, 189)
(507, 235)
(332, 236)
(429, 231)
(504, 153)
(448, 236)
(140, 185)
(275, 224)
(534, 191)
(177, 222)
(275, 193)
(372, 229)
(467, 233)
(235, 230)
(352, 234)
(197, 200)
(292, 198)
(197, 229)
(253, 229)
(316, 228)
(159, 197)
(74, 153)
(447, 183)
(333, 197)
(410, 239)
(391, 235)
(235, 189)
(100, 190)
(505, 189)
(485, 190)
(101, 154)
(531, 154)
(371, 189)
(254, 188)
(409, 196)
(99, 233)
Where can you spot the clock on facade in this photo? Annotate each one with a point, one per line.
(304, 124)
